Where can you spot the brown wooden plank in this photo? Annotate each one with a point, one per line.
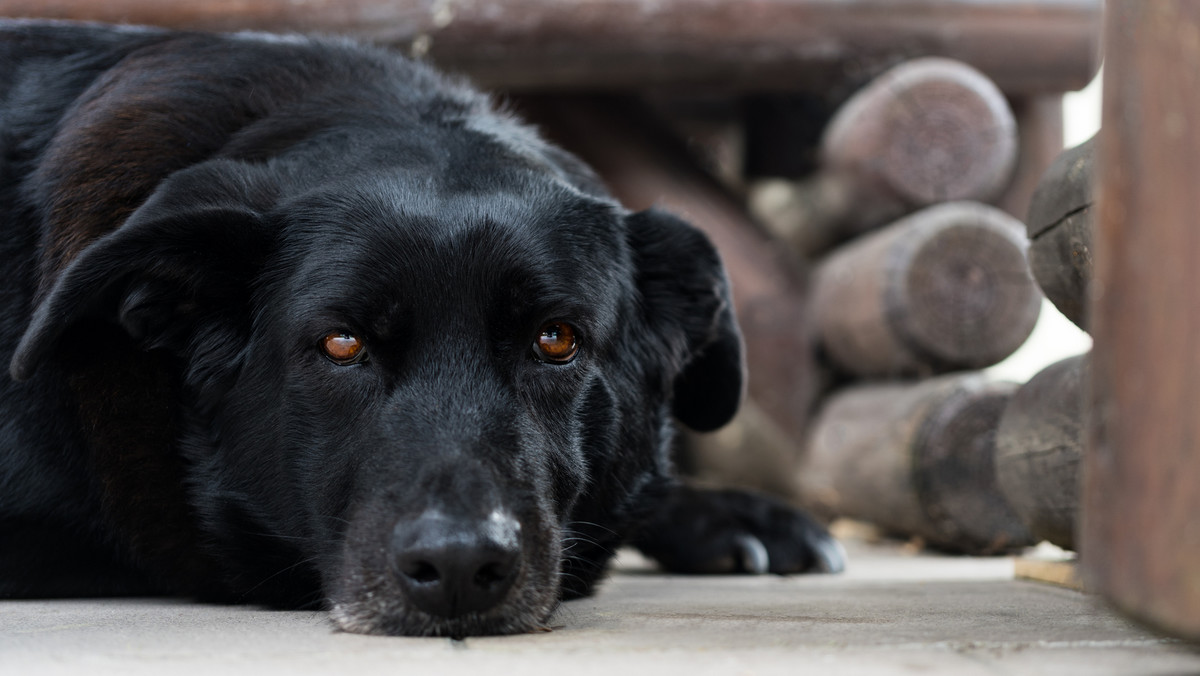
(1057, 573)
(1023, 45)
(1140, 541)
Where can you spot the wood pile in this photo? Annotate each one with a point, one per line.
(878, 452)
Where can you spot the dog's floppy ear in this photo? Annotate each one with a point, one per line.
(174, 260)
(686, 302)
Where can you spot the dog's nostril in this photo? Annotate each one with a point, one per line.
(421, 572)
(491, 574)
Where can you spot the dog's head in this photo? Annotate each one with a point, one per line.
(431, 387)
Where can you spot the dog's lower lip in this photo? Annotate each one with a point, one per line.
(352, 620)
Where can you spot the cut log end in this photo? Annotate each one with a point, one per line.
(927, 131)
(962, 148)
(970, 299)
(943, 289)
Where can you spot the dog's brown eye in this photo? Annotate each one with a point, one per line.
(556, 343)
(343, 348)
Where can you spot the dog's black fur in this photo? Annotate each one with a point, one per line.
(187, 216)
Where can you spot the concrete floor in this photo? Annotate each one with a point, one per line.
(893, 612)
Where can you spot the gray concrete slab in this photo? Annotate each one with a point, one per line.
(891, 613)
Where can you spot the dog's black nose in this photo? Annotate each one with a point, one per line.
(451, 566)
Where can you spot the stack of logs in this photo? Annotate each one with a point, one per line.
(904, 281)
(881, 285)
(911, 307)
(962, 461)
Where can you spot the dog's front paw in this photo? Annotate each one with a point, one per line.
(730, 531)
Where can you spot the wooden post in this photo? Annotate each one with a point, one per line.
(915, 459)
(929, 130)
(1039, 450)
(947, 287)
(624, 44)
(1140, 541)
(1060, 227)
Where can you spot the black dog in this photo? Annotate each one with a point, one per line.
(302, 323)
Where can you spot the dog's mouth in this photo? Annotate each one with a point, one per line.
(436, 576)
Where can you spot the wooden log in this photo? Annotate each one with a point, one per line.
(751, 452)
(1039, 451)
(1040, 135)
(915, 459)
(927, 131)
(1060, 223)
(712, 128)
(1024, 45)
(945, 288)
(1140, 540)
(642, 165)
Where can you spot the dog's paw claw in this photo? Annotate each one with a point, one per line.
(703, 531)
(752, 554)
(830, 555)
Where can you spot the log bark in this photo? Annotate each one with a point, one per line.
(1024, 45)
(915, 459)
(1039, 450)
(927, 131)
(945, 288)
(1140, 540)
(1061, 223)
(643, 167)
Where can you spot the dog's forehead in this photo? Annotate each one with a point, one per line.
(387, 240)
